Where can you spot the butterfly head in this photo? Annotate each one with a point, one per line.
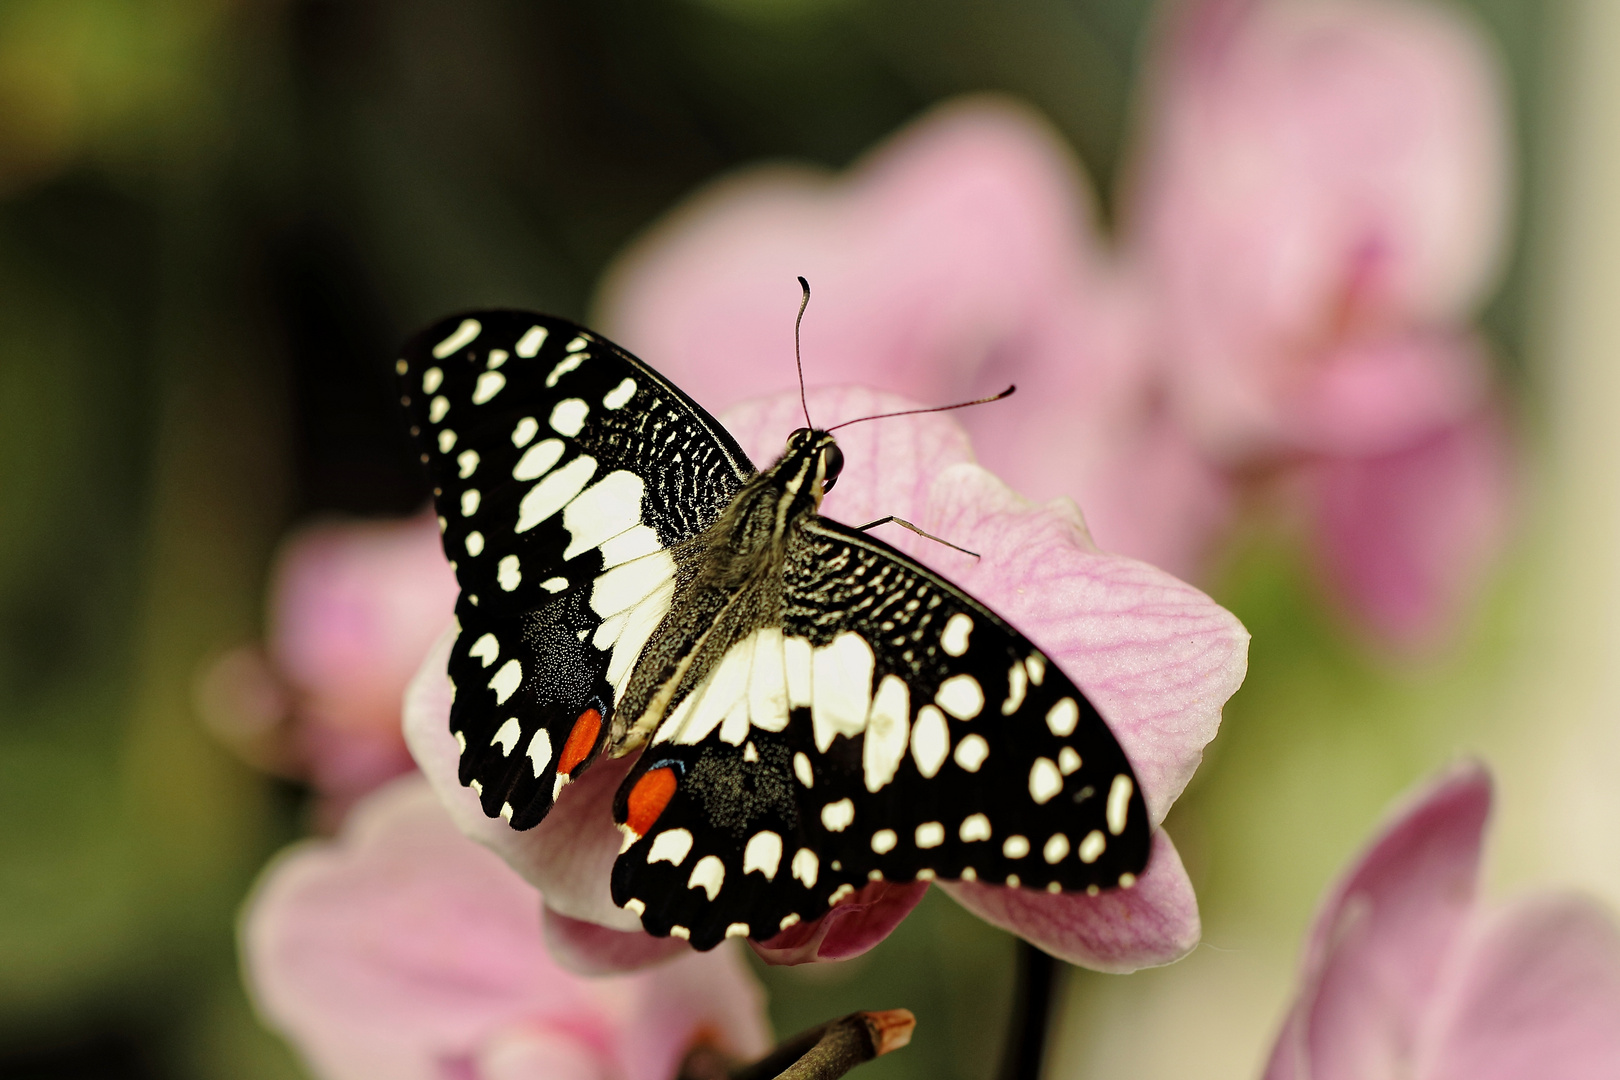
(813, 458)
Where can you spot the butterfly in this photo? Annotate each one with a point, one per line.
(813, 709)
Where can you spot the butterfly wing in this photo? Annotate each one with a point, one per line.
(892, 729)
(563, 470)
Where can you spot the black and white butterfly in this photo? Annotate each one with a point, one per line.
(813, 709)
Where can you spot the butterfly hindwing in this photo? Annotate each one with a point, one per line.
(563, 469)
(892, 729)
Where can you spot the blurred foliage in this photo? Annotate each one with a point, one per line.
(216, 220)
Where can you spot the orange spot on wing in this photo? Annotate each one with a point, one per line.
(649, 797)
(580, 740)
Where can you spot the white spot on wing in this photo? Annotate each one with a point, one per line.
(540, 751)
(554, 584)
(930, 741)
(467, 463)
(438, 408)
(1015, 847)
(801, 769)
(486, 648)
(620, 395)
(883, 841)
(447, 439)
(671, 846)
(954, 638)
(737, 929)
(763, 853)
(1119, 803)
(633, 543)
(639, 626)
(432, 379)
(974, 827)
(1092, 847)
(709, 874)
(530, 342)
(1017, 684)
(887, 730)
(796, 666)
(626, 585)
(568, 416)
(508, 736)
(475, 543)
(538, 459)
(554, 492)
(489, 384)
(564, 366)
(579, 342)
(469, 502)
(602, 511)
(506, 681)
(930, 834)
(1036, 663)
(1062, 717)
(465, 334)
(837, 816)
(1045, 781)
(767, 682)
(1068, 760)
(806, 867)
(508, 573)
(497, 357)
(722, 692)
(961, 696)
(525, 430)
(1057, 846)
(971, 752)
(841, 687)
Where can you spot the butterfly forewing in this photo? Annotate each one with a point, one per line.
(893, 729)
(563, 471)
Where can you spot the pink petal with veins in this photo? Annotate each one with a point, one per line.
(589, 948)
(849, 929)
(1151, 923)
(569, 855)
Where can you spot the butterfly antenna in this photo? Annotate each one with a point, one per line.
(805, 285)
(937, 408)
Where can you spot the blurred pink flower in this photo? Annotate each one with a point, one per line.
(403, 950)
(1157, 657)
(353, 608)
(1407, 976)
(1320, 207)
(960, 256)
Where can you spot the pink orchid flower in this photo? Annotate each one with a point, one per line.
(1156, 656)
(353, 609)
(403, 950)
(960, 256)
(1407, 976)
(1320, 209)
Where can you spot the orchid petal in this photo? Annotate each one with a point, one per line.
(849, 929)
(1537, 994)
(589, 948)
(570, 854)
(1381, 940)
(1153, 922)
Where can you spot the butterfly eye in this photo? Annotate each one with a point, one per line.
(832, 463)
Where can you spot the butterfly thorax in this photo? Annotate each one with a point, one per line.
(728, 584)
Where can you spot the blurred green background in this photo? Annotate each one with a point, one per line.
(217, 219)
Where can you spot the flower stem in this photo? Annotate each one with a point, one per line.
(825, 1052)
(1031, 1013)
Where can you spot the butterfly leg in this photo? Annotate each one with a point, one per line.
(903, 523)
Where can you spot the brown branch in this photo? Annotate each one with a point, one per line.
(822, 1053)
